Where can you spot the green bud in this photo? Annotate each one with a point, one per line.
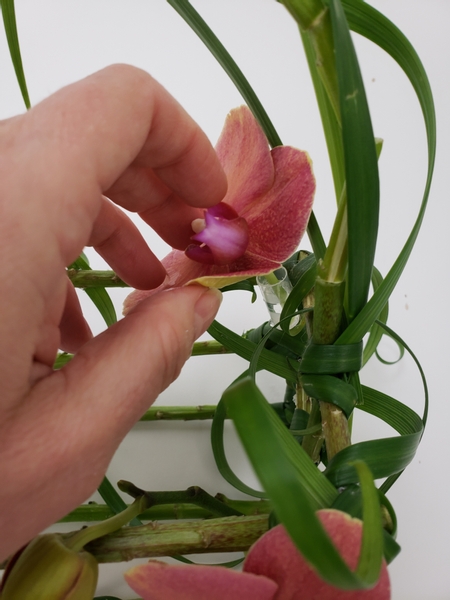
(49, 570)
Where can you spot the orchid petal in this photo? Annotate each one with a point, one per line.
(244, 153)
(272, 190)
(276, 556)
(278, 220)
(156, 580)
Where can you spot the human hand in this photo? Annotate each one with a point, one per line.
(117, 133)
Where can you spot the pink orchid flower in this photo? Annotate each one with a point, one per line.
(273, 570)
(261, 219)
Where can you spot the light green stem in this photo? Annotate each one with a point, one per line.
(167, 512)
(228, 534)
(77, 541)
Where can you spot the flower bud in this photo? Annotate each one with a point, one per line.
(47, 570)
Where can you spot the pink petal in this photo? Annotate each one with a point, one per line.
(272, 190)
(245, 156)
(275, 556)
(158, 581)
(278, 220)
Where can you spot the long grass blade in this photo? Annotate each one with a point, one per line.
(9, 22)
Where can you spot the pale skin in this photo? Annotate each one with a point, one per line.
(117, 134)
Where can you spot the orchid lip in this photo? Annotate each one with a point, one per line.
(221, 238)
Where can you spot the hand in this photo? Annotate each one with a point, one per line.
(117, 134)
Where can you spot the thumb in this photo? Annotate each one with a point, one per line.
(123, 370)
(75, 418)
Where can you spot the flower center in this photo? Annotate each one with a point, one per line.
(220, 238)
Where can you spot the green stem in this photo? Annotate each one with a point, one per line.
(193, 495)
(77, 541)
(168, 512)
(334, 266)
(179, 413)
(228, 534)
(198, 349)
(87, 279)
(326, 327)
(314, 20)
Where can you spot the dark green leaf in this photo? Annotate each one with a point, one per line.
(294, 486)
(9, 21)
(367, 21)
(361, 165)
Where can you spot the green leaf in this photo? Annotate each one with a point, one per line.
(218, 449)
(246, 286)
(371, 555)
(9, 22)
(223, 57)
(295, 487)
(368, 22)
(361, 166)
(386, 456)
(275, 363)
(327, 358)
(376, 332)
(299, 291)
(330, 389)
(103, 302)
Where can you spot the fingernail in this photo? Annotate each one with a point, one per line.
(205, 310)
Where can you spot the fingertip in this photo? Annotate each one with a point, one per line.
(205, 310)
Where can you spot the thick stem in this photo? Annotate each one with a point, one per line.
(228, 534)
(314, 20)
(327, 322)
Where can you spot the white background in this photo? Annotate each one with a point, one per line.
(65, 41)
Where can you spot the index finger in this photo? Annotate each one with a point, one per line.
(120, 133)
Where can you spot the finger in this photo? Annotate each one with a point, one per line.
(75, 419)
(118, 124)
(119, 242)
(75, 331)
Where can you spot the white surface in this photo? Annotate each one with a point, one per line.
(64, 41)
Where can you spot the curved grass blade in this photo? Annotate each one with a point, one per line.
(384, 457)
(327, 358)
(368, 22)
(376, 332)
(218, 449)
(291, 480)
(299, 291)
(9, 22)
(275, 363)
(361, 166)
(223, 57)
(371, 555)
(330, 389)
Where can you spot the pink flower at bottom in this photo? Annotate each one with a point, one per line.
(273, 570)
(261, 220)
